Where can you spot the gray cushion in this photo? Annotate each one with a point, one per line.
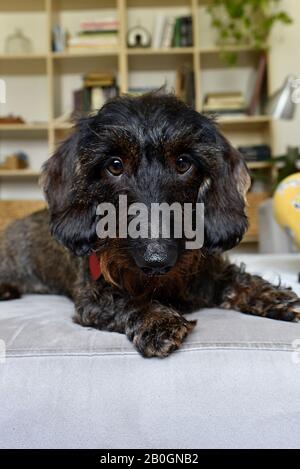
(234, 384)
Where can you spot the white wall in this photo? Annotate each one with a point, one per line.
(285, 59)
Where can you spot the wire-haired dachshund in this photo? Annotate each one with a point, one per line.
(151, 148)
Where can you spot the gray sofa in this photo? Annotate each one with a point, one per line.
(234, 384)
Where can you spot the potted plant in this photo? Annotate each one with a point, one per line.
(240, 22)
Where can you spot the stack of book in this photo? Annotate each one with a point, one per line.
(172, 32)
(253, 153)
(95, 34)
(229, 103)
(97, 89)
(140, 90)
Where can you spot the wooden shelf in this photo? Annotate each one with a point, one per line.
(260, 165)
(246, 124)
(24, 127)
(234, 49)
(248, 120)
(23, 56)
(19, 173)
(84, 53)
(161, 51)
(63, 125)
(129, 51)
(245, 120)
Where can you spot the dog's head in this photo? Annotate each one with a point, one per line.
(152, 148)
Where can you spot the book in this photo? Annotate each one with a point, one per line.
(98, 79)
(59, 39)
(258, 86)
(184, 87)
(158, 31)
(138, 91)
(98, 87)
(97, 33)
(99, 76)
(97, 98)
(225, 102)
(99, 25)
(185, 31)
(100, 95)
(172, 32)
(92, 42)
(167, 34)
(255, 152)
(91, 84)
(235, 98)
(176, 33)
(81, 101)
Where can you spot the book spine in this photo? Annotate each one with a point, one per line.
(255, 152)
(168, 32)
(176, 35)
(186, 32)
(190, 41)
(183, 32)
(97, 33)
(158, 31)
(97, 98)
(86, 99)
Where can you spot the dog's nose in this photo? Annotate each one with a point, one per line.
(157, 259)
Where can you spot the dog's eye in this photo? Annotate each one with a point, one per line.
(182, 164)
(115, 166)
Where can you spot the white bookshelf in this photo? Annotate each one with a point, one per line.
(40, 85)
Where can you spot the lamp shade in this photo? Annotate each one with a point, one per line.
(281, 104)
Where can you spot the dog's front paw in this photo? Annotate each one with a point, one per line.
(287, 309)
(281, 304)
(160, 333)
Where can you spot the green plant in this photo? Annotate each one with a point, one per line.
(245, 22)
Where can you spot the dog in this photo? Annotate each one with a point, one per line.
(153, 149)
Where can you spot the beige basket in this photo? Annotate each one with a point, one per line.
(254, 200)
(13, 209)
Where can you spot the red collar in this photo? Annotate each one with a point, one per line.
(95, 266)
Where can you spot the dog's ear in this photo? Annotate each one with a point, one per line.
(225, 219)
(72, 217)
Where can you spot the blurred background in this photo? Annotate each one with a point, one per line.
(236, 60)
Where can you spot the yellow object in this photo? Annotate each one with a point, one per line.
(286, 206)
